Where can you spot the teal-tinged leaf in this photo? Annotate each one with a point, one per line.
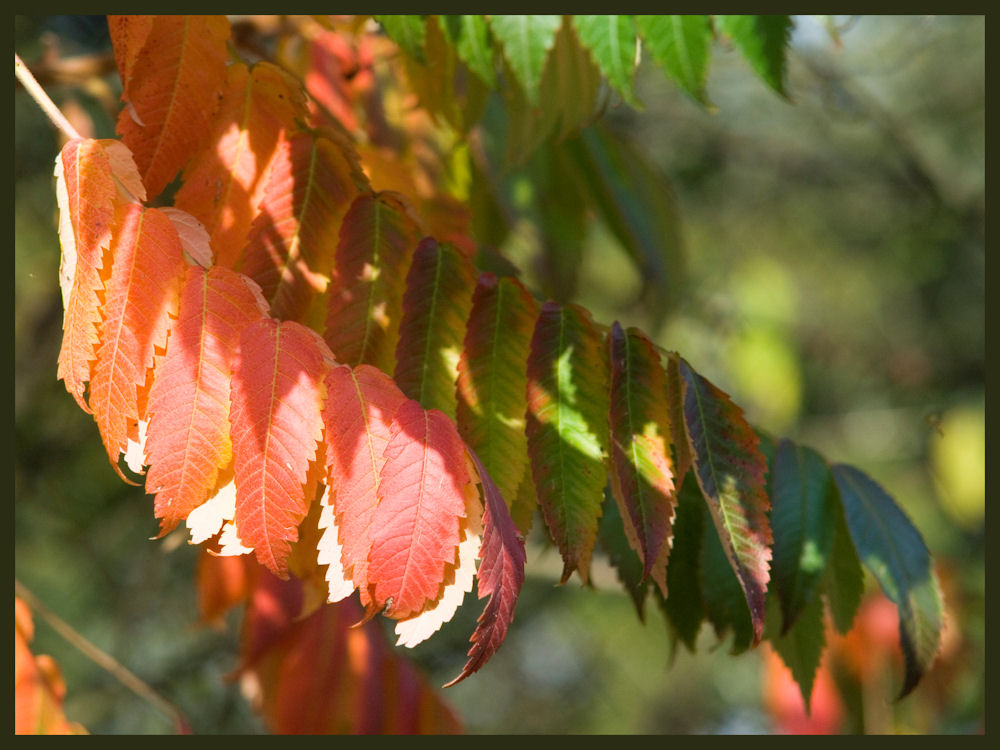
(471, 37)
(723, 597)
(526, 43)
(684, 607)
(730, 471)
(492, 380)
(568, 429)
(637, 205)
(611, 41)
(409, 32)
(893, 551)
(622, 556)
(802, 521)
(641, 466)
(365, 300)
(844, 583)
(682, 46)
(436, 306)
(763, 41)
(801, 646)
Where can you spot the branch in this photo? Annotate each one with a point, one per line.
(39, 95)
(102, 659)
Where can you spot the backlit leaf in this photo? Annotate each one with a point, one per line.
(357, 415)
(800, 646)
(641, 467)
(802, 520)
(612, 44)
(172, 87)
(435, 307)
(894, 552)
(276, 423)
(409, 32)
(492, 380)
(189, 440)
(501, 575)
(421, 501)
(722, 593)
(141, 294)
(377, 238)
(86, 195)
(567, 429)
(526, 42)
(763, 41)
(473, 46)
(290, 249)
(225, 183)
(731, 473)
(682, 46)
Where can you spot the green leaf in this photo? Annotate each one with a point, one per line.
(568, 429)
(409, 32)
(622, 556)
(844, 583)
(730, 471)
(802, 521)
(611, 41)
(682, 46)
(801, 646)
(683, 604)
(893, 550)
(637, 205)
(492, 380)
(436, 306)
(763, 41)
(723, 597)
(471, 37)
(526, 43)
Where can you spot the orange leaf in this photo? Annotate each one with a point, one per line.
(38, 685)
(142, 292)
(86, 194)
(421, 499)
(276, 425)
(311, 183)
(171, 87)
(225, 182)
(358, 413)
(189, 438)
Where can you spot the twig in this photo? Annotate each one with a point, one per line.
(39, 95)
(102, 659)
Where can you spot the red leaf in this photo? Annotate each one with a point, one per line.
(501, 575)
(171, 88)
(731, 474)
(358, 414)
(377, 238)
(289, 252)
(642, 471)
(422, 491)
(276, 425)
(435, 308)
(225, 183)
(318, 675)
(189, 439)
(86, 193)
(142, 292)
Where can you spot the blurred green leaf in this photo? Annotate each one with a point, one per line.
(470, 35)
(682, 46)
(409, 32)
(893, 550)
(526, 43)
(611, 41)
(763, 41)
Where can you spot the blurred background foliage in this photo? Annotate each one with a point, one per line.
(828, 272)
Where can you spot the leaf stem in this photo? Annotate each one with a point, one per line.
(38, 94)
(102, 659)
